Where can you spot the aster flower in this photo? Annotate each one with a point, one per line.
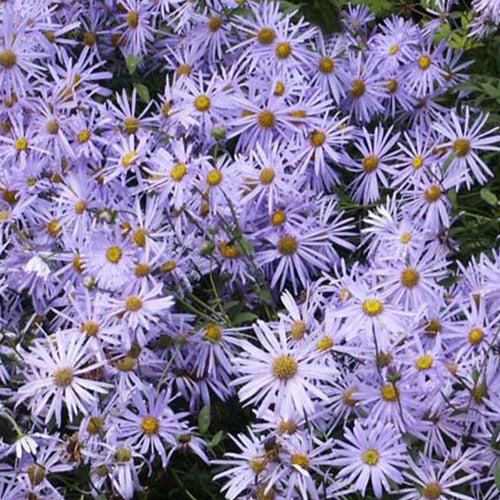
(279, 375)
(373, 168)
(149, 424)
(435, 480)
(58, 375)
(465, 140)
(372, 455)
(425, 74)
(136, 30)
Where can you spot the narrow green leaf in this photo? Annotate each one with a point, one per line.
(204, 419)
(245, 317)
(497, 476)
(218, 437)
(489, 197)
(245, 246)
(132, 63)
(265, 295)
(452, 195)
(143, 92)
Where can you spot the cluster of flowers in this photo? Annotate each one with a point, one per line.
(113, 211)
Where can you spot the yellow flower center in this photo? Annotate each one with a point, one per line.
(91, 328)
(475, 336)
(478, 392)
(298, 330)
(394, 49)
(278, 218)
(21, 144)
(8, 59)
(287, 245)
(389, 393)
(123, 455)
(89, 38)
(424, 362)
(80, 207)
(63, 377)
(129, 159)
(95, 425)
(83, 136)
(410, 278)
(126, 364)
(10, 196)
(257, 465)
(287, 427)
(280, 89)
(433, 193)
(54, 228)
(432, 491)
(214, 178)
(213, 333)
(178, 172)
(285, 367)
(283, 50)
(300, 459)
(392, 85)
(182, 70)
(373, 307)
(433, 328)
(114, 254)
(229, 251)
(358, 88)
(133, 303)
(77, 263)
(267, 176)
(169, 266)
(133, 19)
(370, 163)
(150, 425)
(52, 127)
(139, 237)
(406, 238)
(418, 162)
(326, 65)
(131, 125)
(202, 103)
(348, 397)
(424, 62)
(324, 344)
(317, 138)
(370, 457)
(266, 36)
(142, 269)
(461, 147)
(214, 23)
(266, 119)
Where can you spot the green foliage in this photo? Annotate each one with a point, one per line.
(322, 13)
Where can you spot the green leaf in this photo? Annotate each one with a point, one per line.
(132, 63)
(497, 476)
(245, 317)
(204, 419)
(245, 246)
(218, 437)
(489, 197)
(460, 411)
(265, 295)
(452, 195)
(143, 92)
